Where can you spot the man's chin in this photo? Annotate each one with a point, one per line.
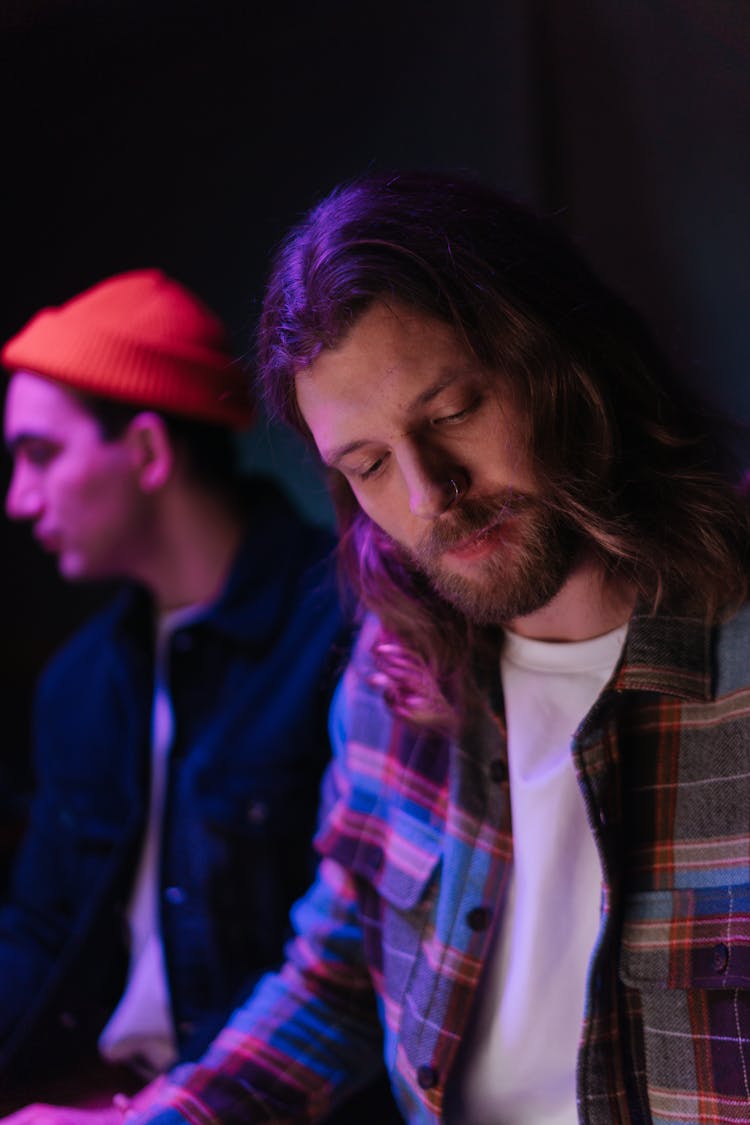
(481, 606)
(497, 594)
(73, 569)
(500, 582)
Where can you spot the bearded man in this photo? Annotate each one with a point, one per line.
(534, 899)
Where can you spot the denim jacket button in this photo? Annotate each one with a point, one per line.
(256, 812)
(427, 1077)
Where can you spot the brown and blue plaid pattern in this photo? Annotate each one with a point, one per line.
(417, 847)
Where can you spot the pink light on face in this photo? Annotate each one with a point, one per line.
(79, 491)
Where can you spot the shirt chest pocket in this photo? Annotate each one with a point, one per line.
(396, 869)
(686, 953)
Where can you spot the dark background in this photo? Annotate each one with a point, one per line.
(189, 134)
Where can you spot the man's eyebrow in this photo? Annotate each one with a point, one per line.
(332, 457)
(446, 380)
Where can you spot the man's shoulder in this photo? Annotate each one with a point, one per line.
(732, 653)
(387, 792)
(278, 538)
(738, 624)
(360, 678)
(362, 716)
(284, 576)
(77, 659)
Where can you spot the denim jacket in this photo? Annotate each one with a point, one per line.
(250, 686)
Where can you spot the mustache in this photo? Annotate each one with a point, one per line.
(469, 517)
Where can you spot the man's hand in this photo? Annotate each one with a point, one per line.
(120, 1111)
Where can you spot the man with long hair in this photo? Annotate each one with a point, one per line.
(534, 896)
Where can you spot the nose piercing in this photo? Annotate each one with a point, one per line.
(456, 492)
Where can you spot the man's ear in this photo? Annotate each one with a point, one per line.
(151, 450)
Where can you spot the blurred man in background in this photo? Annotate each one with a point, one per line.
(179, 737)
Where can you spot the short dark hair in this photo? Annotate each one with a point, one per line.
(210, 450)
(632, 461)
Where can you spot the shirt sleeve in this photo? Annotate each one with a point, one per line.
(308, 1036)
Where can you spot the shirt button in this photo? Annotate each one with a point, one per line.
(256, 812)
(478, 918)
(720, 957)
(498, 770)
(175, 895)
(427, 1077)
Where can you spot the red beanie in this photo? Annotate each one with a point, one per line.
(140, 338)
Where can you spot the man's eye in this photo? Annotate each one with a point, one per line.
(446, 419)
(457, 415)
(371, 470)
(38, 453)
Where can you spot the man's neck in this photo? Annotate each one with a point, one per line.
(588, 605)
(194, 547)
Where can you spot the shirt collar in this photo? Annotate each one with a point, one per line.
(668, 654)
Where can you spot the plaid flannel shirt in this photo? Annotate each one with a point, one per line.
(417, 851)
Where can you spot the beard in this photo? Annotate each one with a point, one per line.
(527, 569)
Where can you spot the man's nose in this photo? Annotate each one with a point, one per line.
(431, 484)
(23, 499)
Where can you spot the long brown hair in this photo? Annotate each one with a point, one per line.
(630, 458)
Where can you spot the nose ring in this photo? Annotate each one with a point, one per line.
(456, 492)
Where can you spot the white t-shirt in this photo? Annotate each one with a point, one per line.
(140, 1031)
(519, 1059)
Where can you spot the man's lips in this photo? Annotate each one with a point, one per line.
(477, 529)
(481, 543)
